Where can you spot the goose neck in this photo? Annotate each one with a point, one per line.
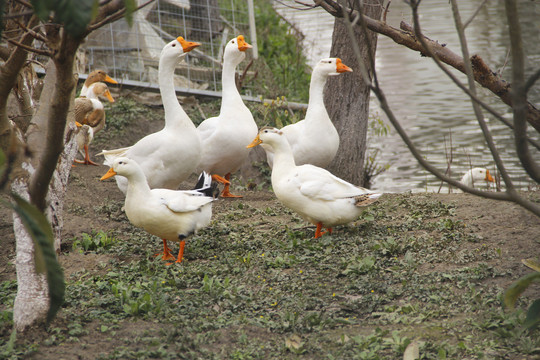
(283, 157)
(467, 179)
(230, 91)
(316, 92)
(171, 105)
(137, 186)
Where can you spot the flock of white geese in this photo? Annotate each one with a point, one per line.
(150, 171)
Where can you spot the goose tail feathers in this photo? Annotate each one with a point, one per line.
(366, 199)
(111, 155)
(206, 186)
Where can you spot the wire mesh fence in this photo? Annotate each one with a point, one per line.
(131, 53)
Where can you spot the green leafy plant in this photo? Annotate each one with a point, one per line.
(275, 113)
(376, 128)
(517, 288)
(279, 49)
(94, 241)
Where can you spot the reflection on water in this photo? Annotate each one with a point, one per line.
(429, 106)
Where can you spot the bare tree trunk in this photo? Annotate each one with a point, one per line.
(43, 176)
(347, 99)
(32, 301)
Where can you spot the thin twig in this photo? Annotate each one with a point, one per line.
(427, 165)
(386, 10)
(466, 23)
(29, 48)
(25, 3)
(18, 15)
(532, 79)
(405, 37)
(449, 159)
(36, 35)
(113, 17)
(472, 87)
(305, 6)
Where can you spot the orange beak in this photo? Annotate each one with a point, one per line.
(109, 174)
(78, 124)
(489, 177)
(110, 80)
(341, 67)
(187, 45)
(109, 96)
(255, 142)
(242, 44)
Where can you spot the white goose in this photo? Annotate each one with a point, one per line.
(225, 137)
(90, 118)
(313, 192)
(170, 155)
(476, 176)
(95, 76)
(173, 215)
(315, 139)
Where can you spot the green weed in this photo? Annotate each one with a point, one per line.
(99, 241)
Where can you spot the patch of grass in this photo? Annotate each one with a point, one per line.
(256, 285)
(279, 52)
(124, 111)
(99, 241)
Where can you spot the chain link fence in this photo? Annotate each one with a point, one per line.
(131, 54)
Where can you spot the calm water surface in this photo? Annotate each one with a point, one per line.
(429, 106)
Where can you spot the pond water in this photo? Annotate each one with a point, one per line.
(429, 106)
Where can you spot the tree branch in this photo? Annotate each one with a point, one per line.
(8, 77)
(510, 195)
(29, 48)
(519, 93)
(25, 3)
(405, 37)
(533, 79)
(474, 14)
(472, 87)
(54, 145)
(36, 35)
(113, 11)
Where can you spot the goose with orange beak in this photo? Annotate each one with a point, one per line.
(314, 140)
(171, 155)
(225, 137)
(313, 192)
(477, 176)
(172, 215)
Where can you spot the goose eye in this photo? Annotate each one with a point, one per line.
(173, 45)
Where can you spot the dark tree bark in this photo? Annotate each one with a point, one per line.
(43, 180)
(347, 97)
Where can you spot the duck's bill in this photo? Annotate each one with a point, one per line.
(109, 174)
(187, 46)
(242, 44)
(109, 96)
(341, 67)
(489, 177)
(110, 80)
(255, 142)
